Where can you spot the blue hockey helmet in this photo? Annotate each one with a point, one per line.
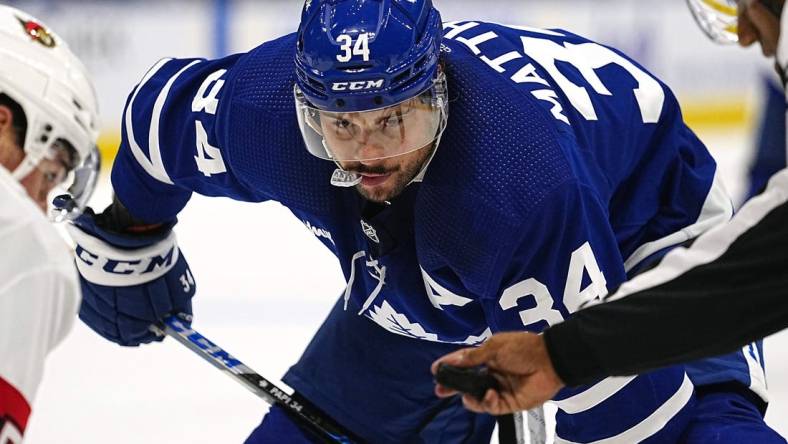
(358, 56)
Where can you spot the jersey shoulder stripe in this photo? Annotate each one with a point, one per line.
(14, 412)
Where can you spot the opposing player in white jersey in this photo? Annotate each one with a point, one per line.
(47, 145)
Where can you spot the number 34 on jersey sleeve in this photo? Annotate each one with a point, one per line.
(170, 143)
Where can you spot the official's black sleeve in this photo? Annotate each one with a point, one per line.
(728, 289)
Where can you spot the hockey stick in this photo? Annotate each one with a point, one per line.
(323, 427)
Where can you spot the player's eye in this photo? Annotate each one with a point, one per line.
(393, 120)
(53, 174)
(344, 129)
(51, 177)
(342, 123)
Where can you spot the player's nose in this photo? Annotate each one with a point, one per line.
(369, 149)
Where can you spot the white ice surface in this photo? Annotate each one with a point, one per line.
(264, 285)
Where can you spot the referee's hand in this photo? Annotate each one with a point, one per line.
(522, 366)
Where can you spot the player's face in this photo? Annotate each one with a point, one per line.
(49, 173)
(379, 134)
(383, 180)
(389, 144)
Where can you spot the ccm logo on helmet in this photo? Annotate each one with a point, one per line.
(362, 85)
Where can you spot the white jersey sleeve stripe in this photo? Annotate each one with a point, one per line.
(144, 162)
(717, 209)
(594, 396)
(712, 244)
(154, 151)
(153, 163)
(757, 374)
(654, 423)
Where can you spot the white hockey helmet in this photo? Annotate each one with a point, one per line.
(718, 19)
(40, 73)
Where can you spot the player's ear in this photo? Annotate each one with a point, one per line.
(6, 118)
(7, 130)
(10, 152)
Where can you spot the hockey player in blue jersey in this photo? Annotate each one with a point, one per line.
(471, 178)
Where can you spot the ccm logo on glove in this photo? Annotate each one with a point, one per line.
(104, 264)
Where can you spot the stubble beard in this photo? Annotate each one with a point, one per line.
(400, 178)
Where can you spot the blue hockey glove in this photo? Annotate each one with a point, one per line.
(129, 279)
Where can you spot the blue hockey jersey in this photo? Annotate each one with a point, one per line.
(565, 165)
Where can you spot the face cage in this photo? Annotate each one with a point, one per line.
(72, 196)
(717, 19)
(309, 120)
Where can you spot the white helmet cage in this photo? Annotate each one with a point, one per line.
(40, 73)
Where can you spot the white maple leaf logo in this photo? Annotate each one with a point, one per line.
(388, 318)
(440, 295)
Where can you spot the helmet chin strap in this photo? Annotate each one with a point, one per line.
(34, 153)
(26, 167)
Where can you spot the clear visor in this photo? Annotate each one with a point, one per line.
(43, 171)
(717, 19)
(74, 186)
(376, 134)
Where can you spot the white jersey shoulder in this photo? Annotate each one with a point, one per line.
(39, 288)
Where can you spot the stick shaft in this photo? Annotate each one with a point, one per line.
(319, 423)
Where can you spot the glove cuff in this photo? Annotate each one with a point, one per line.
(104, 264)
